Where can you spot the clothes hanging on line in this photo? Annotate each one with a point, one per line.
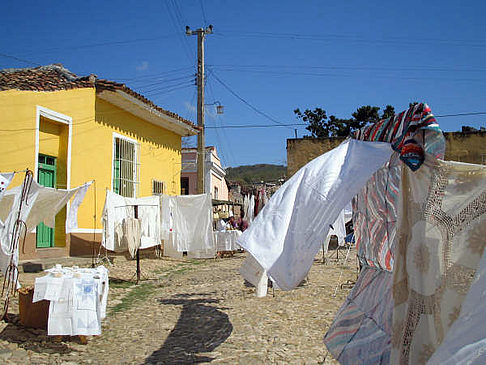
(288, 232)
(5, 180)
(118, 208)
(43, 205)
(186, 223)
(78, 299)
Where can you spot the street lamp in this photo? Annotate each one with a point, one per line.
(219, 107)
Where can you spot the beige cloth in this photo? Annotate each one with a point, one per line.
(442, 235)
(132, 231)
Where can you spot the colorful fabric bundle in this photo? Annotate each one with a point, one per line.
(402, 131)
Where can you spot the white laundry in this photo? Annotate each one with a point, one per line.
(72, 216)
(117, 208)
(226, 240)
(286, 235)
(132, 234)
(78, 299)
(255, 274)
(5, 179)
(188, 221)
(43, 205)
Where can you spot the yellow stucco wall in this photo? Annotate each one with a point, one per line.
(94, 123)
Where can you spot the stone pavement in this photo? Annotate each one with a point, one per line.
(190, 312)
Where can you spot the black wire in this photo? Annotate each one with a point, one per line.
(254, 126)
(19, 59)
(244, 101)
(203, 12)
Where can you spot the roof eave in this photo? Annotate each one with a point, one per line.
(140, 109)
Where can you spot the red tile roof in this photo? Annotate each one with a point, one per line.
(55, 77)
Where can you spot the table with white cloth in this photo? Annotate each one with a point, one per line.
(226, 240)
(78, 298)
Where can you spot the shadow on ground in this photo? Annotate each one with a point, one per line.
(201, 328)
(33, 339)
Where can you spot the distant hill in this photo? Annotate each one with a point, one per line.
(255, 173)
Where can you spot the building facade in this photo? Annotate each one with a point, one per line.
(70, 130)
(214, 182)
(465, 146)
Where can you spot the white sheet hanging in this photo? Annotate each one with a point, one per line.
(5, 180)
(187, 219)
(286, 235)
(43, 205)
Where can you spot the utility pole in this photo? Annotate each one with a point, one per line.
(201, 140)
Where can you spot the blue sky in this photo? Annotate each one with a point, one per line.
(275, 55)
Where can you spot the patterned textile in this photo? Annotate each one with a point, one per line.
(442, 235)
(375, 216)
(375, 207)
(361, 332)
(402, 131)
(375, 211)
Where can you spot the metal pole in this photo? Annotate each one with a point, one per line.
(135, 207)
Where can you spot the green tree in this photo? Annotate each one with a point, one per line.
(321, 126)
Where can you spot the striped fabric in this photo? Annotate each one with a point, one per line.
(407, 132)
(361, 332)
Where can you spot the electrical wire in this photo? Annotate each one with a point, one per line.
(254, 126)
(203, 13)
(19, 59)
(353, 38)
(244, 101)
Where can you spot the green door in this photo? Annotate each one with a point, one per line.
(46, 177)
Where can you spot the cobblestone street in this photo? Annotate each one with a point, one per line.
(191, 311)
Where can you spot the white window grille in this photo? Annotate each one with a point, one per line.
(157, 187)
(126, 167)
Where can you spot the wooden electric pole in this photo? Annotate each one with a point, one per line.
(201, 140)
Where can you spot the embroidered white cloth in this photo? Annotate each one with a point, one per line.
(441, 239)
(186, 221)
(465, 343)
(78, 299)
(287, 234)
(117, 208)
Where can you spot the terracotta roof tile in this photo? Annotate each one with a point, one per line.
(55, 77)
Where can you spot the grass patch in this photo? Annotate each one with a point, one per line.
(138, 293)
(120, 284)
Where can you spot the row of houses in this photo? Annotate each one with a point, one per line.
(71, 129)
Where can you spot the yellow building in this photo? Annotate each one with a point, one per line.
(70, 130)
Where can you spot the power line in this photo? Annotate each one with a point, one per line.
(244, 101)
(19, 59)
(203, 12)
(232, 67)
(459, 114)
(255, 126)
(355, 39)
